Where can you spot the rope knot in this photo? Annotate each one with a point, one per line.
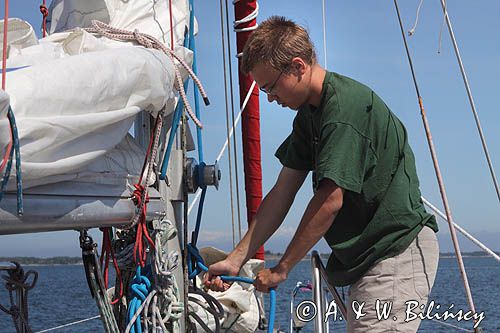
(137, 195)
(44, 11)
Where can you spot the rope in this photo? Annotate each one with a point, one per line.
(147, 305)
(471, 100)
(17, 285)
(6, 177)
(246, 19)
(411, 32)
(45, 13)
(142, 234)
(438, 172)
(139, 289)
(171, 25)
(151, 42)
(107, 252)
(69, 324)
(226, 143)
(139, 196)
(200, 266)
(463, 231)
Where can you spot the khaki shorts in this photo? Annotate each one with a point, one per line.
(395, 283)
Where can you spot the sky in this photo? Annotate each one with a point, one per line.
(363, 41)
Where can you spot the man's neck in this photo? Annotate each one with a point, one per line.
(317, 77)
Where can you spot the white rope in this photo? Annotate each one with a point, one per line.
(412, 30)
(69, 324)
(253, 15)
(463, 231)
(165, 285)
(223, 149)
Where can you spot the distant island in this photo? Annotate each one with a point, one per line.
(269, 255)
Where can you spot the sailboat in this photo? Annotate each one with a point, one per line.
(83, 169)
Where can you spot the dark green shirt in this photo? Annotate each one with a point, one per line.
(354, 139)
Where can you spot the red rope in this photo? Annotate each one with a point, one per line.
(107, 252)
(142, 235)
(171, 26)
(45, 13)
(6, 156)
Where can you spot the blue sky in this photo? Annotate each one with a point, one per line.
(363, 42)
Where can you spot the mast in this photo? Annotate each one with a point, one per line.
(250, 124)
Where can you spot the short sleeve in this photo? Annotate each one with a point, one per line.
(344, 156)
(295, 152)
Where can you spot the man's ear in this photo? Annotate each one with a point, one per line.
(298, 66)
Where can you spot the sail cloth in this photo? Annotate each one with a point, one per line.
(240, 303)
(75, 95)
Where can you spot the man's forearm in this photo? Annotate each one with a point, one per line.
(271, 212)
(316, 221)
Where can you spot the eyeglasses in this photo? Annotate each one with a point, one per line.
(269, 90)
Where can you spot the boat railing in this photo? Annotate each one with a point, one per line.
(319, 275)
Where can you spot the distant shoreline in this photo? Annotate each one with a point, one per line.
(38, 261)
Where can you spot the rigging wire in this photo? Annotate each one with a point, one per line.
(69, 324)
(463, 231)
(235, 146)
(324, 32)
(227, 123)
(447, 21)
(442, 189)
(471, 99)
(224, 146)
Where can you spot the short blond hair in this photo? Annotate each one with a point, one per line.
(276, 41)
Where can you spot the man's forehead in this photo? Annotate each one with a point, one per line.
(263, 73)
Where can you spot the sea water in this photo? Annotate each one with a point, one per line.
(61, 296)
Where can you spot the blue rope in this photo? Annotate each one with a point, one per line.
(192, 47)
(16, 148)
(175, 125)
(200, 266)
(140, 288)
(173, 130)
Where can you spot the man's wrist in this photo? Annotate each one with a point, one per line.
(283, 268)
(236, 259)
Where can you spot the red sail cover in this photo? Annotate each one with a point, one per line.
(250, 122)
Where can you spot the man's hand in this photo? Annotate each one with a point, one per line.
(269, 278)
(224, 267)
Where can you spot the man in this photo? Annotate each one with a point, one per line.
(366, 201)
